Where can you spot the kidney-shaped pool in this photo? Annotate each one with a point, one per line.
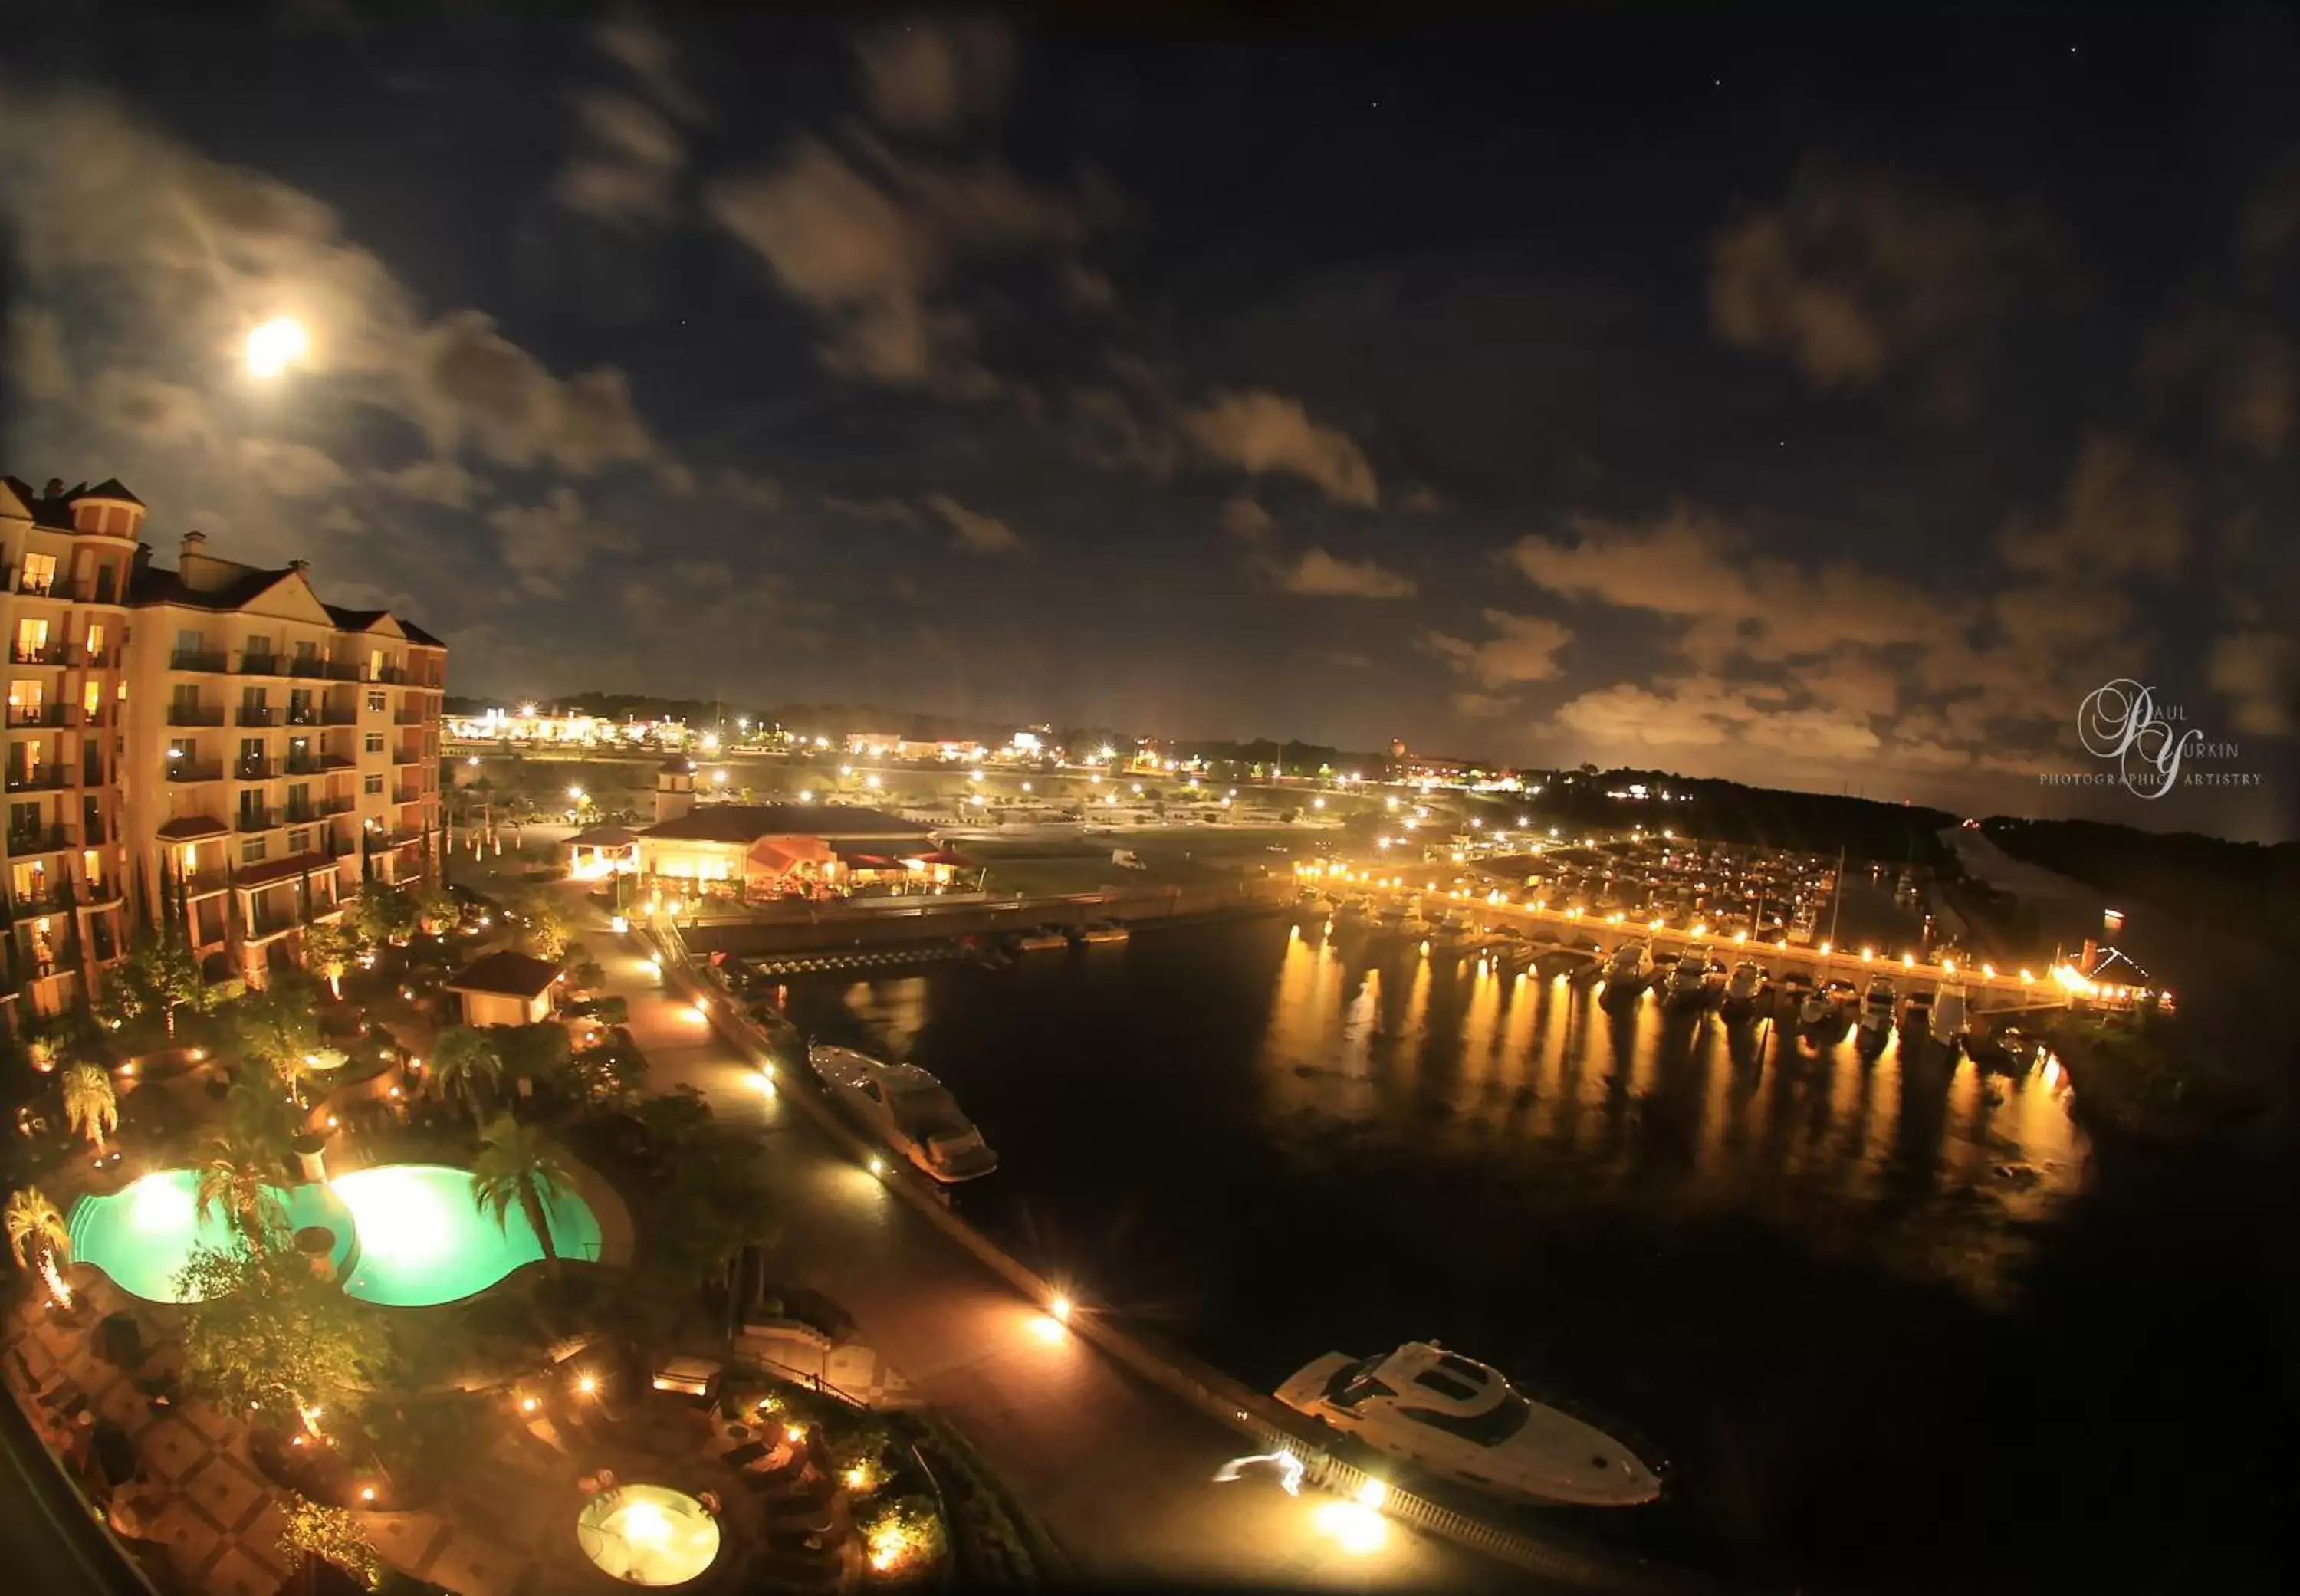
(409, 1235)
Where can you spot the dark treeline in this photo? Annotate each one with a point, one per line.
(1768, 816)
(2208, 878)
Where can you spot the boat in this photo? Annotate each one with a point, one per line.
(1950, 1017)
(1461, 1420)
(1453, 936)
(2007, 1051)
(1789, 998)
(911, 1110)
(1312, 908)
(1688, 979)
(1878, 1003)
(1102, 933)
(1509, 952)
(1826, 1004)
(1632, 967)
(1916, 1019)
(1039, 939)
(1357, 912)
(1743, 988)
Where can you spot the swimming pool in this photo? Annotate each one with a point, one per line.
(409, 1233)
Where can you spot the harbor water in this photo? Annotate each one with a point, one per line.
(1889, 1320)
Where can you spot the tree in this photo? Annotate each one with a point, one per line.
(462, 1059)
(91, 1107)
(258, 1118)
(159, 974)
(237, 1177)
(38, 1239)
(278, 1027)
(436, 909)
(545, 923)
(313, 1531)
(583, 971)
(519, 1166)
(612, 1070)
(382, 912)
(265, 1336)
(329, 946)
(536, 1053)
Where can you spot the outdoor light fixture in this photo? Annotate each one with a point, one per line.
(587, 1384)
(1060, 1307)
(878, 1165)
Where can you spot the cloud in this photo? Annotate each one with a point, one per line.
(2122, 513)
(747, 489)
(1262, 432)
(1245, 517)
(548, 544)
(1421, 500)
(1481, 706)
(1696, 570)
(653, 60)
(628, 167)
(1855, 275)
(1317, 574)
(434, 481)
(2238, 367)
(38, 366)
(152, 408)
(1524, 648)
(1628, 721)
(886, 512)
(292, 470)
(480, 388)
(2259, 674)
(975, 533)
(869, 248)
(934, 77)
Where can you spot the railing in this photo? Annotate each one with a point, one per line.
(194, 714)
(47, 654)
(259, 664)
(42, 714)
(94, 716)
(92, 832)
(407, 794)
(330, 807)
(305, 716)
(48, 839)
(48, 778)
(195, 770)
(187, 659)
(98, 657)
(417, 719)
(254, 770)
(257, 820)
(25, 906)
(300, 814)
(303, 764)
(407, 756)
(252, 715)
(332, 716)
(206, 883)
(324, 670)
(264, 927)
(393, 676)
(337, 762)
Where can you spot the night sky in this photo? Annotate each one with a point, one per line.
(1813, 399)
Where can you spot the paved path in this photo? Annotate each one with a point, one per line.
(1119, 1473)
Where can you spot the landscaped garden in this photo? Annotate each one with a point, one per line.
(416, 1280)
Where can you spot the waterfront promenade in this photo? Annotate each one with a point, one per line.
(1119, 1473)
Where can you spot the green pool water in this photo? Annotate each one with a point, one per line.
(408, 1233)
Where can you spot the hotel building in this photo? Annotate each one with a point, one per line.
(215, 727)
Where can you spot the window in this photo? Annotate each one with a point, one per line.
(307, 654)
(371, 785)
(251, 851)
(181, 750)
(377, 702)
(91, 699)
(94, 641)
(1353, 1382)
(39, 574)
(375, 742)
(299, 842)
(250, 751)
(1446, 1386)
(191, 641)
(259, 647)
(23, 700)
(92, 862)
(31, 639)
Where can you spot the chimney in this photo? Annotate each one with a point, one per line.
(195, 544)
(302, 567)
(55, 489)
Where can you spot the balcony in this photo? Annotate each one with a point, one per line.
(332, 716)
(302, 715)
(408, 795)
(265, 819)
(91, 833)
(390, 676)
(195, 770)
(194, 714)
(96, 659)
(264, 925)
(262, 665)
(300, 814)
(254, 770)
(185, 659)
(47, 778)
(206, 883)
(50, 839)
(407, 756)
(417, 718)
(26, 716)
(330, 807)
(337, 762)
(324, 670)
(47, 654)
(54, 900)
(253, 715)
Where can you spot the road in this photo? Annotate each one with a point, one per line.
(1119, 1473)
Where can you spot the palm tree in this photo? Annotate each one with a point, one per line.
(258, 1118)
(518, 1164)
(463, 1058)
(91, 1108)
(38, 1238)
(236, 1178)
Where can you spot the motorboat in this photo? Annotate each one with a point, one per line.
(1916, 1018)
(1688, 978)
(1509, 952)
(1950, 1017)
(1102, 933)
(2007, 1051)
(909, 1109)
(1632, 967)
(1826, 1006)
(1311, 907)
(1878, 1004)
(1357, 912)
(1789, 998)
(1041, 939)
(1744, 987)
(1461, 1420)
(1453, 936)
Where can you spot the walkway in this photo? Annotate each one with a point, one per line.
(1121, 1475)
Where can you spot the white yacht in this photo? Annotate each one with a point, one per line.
(1950, 1017)
(1879, 1004)
(1461, 1420)
(910, 1110)
(1632, 967)
(1744, 985)
(1688, 978)
(1453, 935)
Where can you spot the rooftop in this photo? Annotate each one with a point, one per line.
(506, 974)
(748, 822)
